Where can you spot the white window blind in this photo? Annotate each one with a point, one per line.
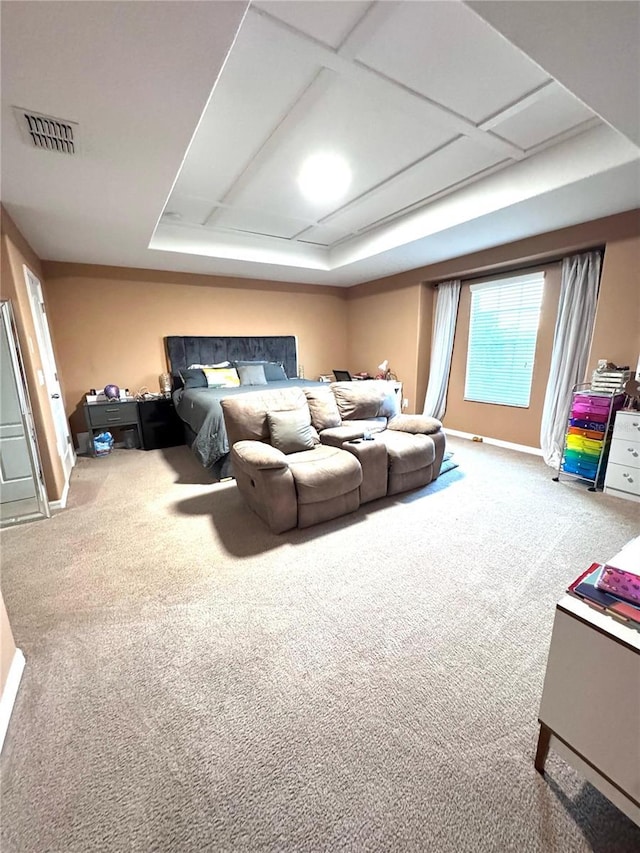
(503, 330)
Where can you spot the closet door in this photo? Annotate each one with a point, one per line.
(21, 487)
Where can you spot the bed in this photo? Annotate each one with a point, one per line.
(200, 409)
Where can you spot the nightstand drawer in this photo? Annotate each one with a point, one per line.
(112, 414)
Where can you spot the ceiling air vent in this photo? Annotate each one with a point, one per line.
(48, 132)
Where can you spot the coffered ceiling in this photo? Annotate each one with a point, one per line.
(455, 137)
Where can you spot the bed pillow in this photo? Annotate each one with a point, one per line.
(193, 379)
(221, 377)
(251, 374)
(201, 366)
(273, 370)
(291, 431)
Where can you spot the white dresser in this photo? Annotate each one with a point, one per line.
(623, 469)
(590, 708)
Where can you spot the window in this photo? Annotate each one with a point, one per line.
(502, 339)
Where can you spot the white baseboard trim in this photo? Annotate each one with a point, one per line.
(522, 448)
(10, 692)
(61, 504)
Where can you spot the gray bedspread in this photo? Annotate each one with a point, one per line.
(200, 408)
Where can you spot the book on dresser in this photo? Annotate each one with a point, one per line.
(593, 585)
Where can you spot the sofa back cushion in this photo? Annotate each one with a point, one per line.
(245, 415)
(323, 407)
(366, 399)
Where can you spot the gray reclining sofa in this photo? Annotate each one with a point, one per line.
(300, 455)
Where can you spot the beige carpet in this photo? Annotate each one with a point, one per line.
(371, 684)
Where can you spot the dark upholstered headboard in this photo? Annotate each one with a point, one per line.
(183, 351)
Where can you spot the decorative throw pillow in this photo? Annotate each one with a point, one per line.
(291, 431)
(273, 370)
(251, 374)
(193, 378)
(221, 377)
(323, 407)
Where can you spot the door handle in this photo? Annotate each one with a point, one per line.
(55, 396)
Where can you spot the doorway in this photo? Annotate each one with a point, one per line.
(23, 495)
(50, 373)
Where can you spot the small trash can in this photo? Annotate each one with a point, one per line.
(130, 437)
(103, 443)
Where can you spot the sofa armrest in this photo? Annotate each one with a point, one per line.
(260, 456)
(415, 424)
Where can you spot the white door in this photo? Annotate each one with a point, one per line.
(50, 378)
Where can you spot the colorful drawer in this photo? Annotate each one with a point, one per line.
(594, 407)
(588, 472)
(597, 435)
(584, 445)
(592, 426)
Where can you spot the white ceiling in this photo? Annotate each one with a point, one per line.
(466, 125)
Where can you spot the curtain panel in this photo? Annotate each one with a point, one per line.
(447, 300)
(572, 338)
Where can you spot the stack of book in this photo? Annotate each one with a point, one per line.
(610, 590)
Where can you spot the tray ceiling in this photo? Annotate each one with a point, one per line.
(416, 114)
(445, 124)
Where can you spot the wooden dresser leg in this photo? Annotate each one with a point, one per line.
(543, 748)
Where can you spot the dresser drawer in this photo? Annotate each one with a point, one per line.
(627, 425)
(623, 478)
(625, 452)
(112, 414)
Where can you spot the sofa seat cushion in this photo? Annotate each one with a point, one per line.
(407, 452)
(415, 424)
(336, 436)
(324, 473)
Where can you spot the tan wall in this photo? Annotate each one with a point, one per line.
(16, 252)
(616, 333)
(109, 323)
(616, 336)
(386, 326)
(7, 646)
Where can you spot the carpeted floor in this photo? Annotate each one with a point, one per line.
(371, 684)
